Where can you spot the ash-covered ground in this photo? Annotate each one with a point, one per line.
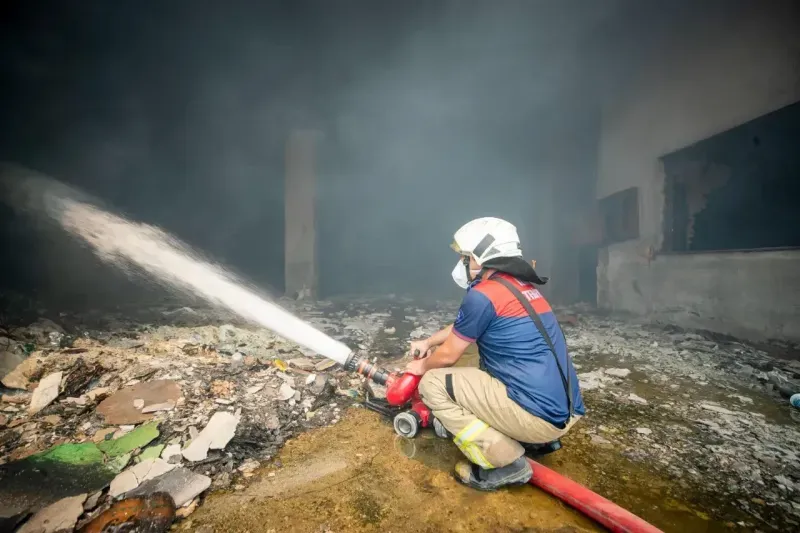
(707, 413)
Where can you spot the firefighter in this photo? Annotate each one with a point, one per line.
(525, 392)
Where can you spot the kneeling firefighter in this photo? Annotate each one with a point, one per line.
(526, 391)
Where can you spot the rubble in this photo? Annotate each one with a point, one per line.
(143, 471)
(180, 483)
(215, 436)
(120, 407)
(60, 516)
(153, 513)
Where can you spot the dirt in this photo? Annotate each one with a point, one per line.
(355, 477)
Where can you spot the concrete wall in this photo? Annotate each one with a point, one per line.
(710, 77)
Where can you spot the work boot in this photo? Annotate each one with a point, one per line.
(517, 473)
(537, 450)
(440, 430)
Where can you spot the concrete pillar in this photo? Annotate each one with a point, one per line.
(300, 257)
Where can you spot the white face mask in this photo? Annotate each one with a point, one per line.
(460, 275)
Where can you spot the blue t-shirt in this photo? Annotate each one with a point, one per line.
(513, 351)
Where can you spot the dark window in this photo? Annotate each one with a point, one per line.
(620, 213)
(737, 190)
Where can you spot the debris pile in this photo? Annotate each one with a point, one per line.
(150, 416)
(711, 412)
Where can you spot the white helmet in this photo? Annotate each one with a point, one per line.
(487, 238)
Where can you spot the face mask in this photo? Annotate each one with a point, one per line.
(460, 275)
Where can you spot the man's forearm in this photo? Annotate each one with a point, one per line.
(440, 336)
(441, 358)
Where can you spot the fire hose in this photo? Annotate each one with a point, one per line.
(404, 405)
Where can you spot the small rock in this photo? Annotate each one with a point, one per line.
(618, 372)
(20, 398)
(248, 466)
(644, 431)
(45, 393)
(286, 392)
(53, 420)
(60, 516)
(98, 393)
(272, 422)
(3, 420)
(390, 331)
(138, 403)
(310, 379)
(103, 434)
(324, 365)
(716, 409)
(91, 501)
(185, 511)
(303, 363)
(254, 389)
(156, 407)
(171, 451)
(637, 399)
(600, 441)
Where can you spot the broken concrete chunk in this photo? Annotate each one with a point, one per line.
(286, 392)
(618, 372)
(60, 516)
(45, 393)
(156, 407)
(637, 399)
(255, 388)
(119, 409)
(303, 363)
(19, 378)
(124, 482)
(717, 409)
(215, 436)
(91, 501)
(324, 365)
(138, 474)
(171, 451)
(180, 483)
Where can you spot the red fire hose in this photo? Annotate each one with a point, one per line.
(603, 511)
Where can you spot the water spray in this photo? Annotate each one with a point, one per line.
(135, 247)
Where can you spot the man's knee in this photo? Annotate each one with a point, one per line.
(432, 387)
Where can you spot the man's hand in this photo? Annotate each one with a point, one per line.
(420, 349)
(417, 367)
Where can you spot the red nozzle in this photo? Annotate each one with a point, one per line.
(401, 387)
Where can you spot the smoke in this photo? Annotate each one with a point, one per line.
(431, 114)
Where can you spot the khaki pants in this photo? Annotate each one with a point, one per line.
(488, 425)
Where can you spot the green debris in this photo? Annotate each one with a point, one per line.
(117, 464)
(151, 452)
(138, 438)
(84, 453)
